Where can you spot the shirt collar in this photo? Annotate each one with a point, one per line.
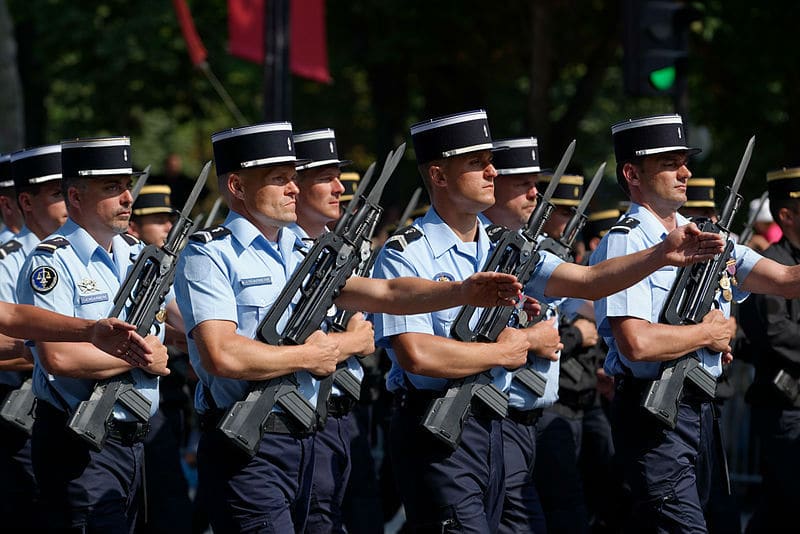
(442, 238)
(650, 223)
(246, 234)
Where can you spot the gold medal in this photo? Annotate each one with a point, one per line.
(727, 295)
(725, 282)
(161, 316)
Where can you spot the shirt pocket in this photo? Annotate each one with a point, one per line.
(661, 283)
(252, 303)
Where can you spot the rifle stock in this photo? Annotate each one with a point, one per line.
(17, 409)
(142, 294)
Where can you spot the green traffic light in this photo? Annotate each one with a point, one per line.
(663, 79)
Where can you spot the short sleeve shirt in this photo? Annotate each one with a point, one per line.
(236, 277)
(645, 299)
(79, 279)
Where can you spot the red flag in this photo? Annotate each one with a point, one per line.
(246, 29)
(308, 54)
(197, 52)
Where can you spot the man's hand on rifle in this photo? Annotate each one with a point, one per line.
(687, 244)
(363, 336)
(543, 339)
(512, 348)
(487, 289)
(324, 354)
(719, 331)
(160, 357)
(120, 339)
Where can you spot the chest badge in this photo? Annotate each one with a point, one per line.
(443, 277)
(44, 279)
(87, 285)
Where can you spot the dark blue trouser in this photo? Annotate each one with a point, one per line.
(169, 508)
(331, 473)
(82, 489)
(18, 491)
(670, 472)
(522, 508)
(779, 431)
(602, 482)
(268, 493)
(557, 472)
(445, 490)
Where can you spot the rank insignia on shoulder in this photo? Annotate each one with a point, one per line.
(130, 239)
(51, 245)
(209, 234)
(495, 232)
(401, 238)
(8, 247)
(44, 279)
(625, 225)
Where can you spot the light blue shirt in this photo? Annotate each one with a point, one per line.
(645, 299)
(6, 234)
(237, 278)
(520, 397)
(87, 278)
(9, 272)
(353, 364)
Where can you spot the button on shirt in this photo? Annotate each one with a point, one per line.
(645, 299)
(352, 363)
(235, 278)
(88, 280)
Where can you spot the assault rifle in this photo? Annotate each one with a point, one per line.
(342, 377)
(691, 297)
(562, 247)
(314, 285)
(515, 253)
(17, 408)
(142, 295)
(747, 233)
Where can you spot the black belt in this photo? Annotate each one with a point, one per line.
(630, 385)
(341, 405)
(126, 432)
(418, 401)
(524, 417)
(276, 423)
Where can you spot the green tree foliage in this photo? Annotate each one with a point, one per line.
(549, 68)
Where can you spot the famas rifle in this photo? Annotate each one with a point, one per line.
(142, 295)
(514, 253)
(312, 288)
(691, 297)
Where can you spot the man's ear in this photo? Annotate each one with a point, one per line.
(24, 200)
(436, 175)
(235, 185)
(631, 173)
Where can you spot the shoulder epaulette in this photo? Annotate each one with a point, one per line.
(625, 225)
(51, 245)
(495, 232)
(8, 247)
(129, 239)
(401, 238)
(209, 234)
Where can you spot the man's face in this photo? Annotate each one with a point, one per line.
(470, 180)
(153, 228)
(269, 194)
(106, 203)
(47, 207)
(320, 190)
(661, 179)
(559, 217)
(515, 200)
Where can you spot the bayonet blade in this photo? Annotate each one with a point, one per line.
(562, 166)
(137, 188)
